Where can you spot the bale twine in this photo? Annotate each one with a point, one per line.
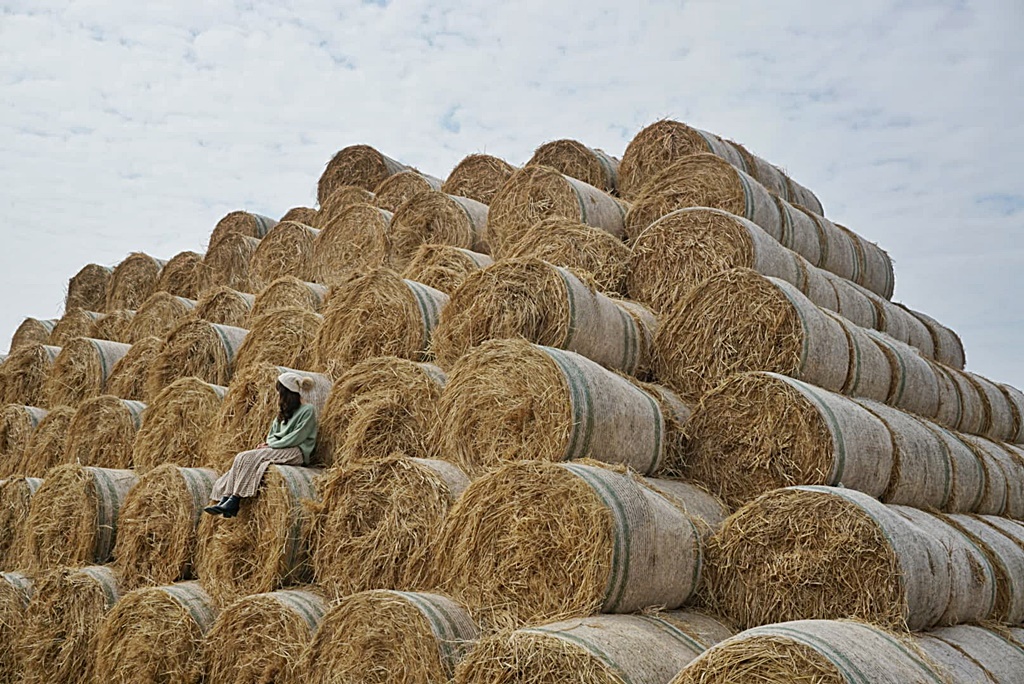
(102, 432)
(577, 246)
(113, 327)
(267, 546)
(175, 424)
(87, 289)
(45, 448)
(1005, 554)
(74, 323)
(159, 315)
(24, 372)
(949, 349)
(227, 263)
(376, 636)
(287, 292)
(820, 651)
(533, 541)
(15, 498)
(549, 305)
(182, 276)
(156, 527)
(510, 400)
(32, 331)
(196, 348)
(133, 281)
(359, 165)
(284, 337)
(260, 638)
(968, 653)
(534, 193)
(433, 217)
(176, 617)
(81, 370)
(572, 158)
(478, 177)
(306, 215)
(73, 519)
(341, 199)
(357, 238)
(128, 379)
(17, 423)
(15, 592)
(377, 314)
(225, 306)
(444, 267)
(602, 649)
(61, 623)
(241, 223)
(396, 190)
(376, 524)
(287, 250)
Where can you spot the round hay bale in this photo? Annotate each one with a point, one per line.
(975, 654)
(359, 237)
(61, 623)
(15, 592)
(896, 316)
(73, 517)
(545, 304)
(182, 276)
(358, 165)
(241, 223)
(224, 306)
(478, 177)
(376, 524)
(45, 448)
(433, 217)
(284, 338)
(417, 638)
(74, 323)
(287, 292)
(159, 315)
(87, 289)
(81, 370)
(15, 499)
(32, 331)
(196, 348)
(510, 400)
(999, 418)
(128, 379)
(24, 373)
(971, 404)
(1015, 398)
(113, 327)
(1000, 473)
(576, 246)
(260, 638)
(133, 281)
(341, 199)
(1005, 554)
(913, 384)
(175, 424)
(267, 546)
(396, 190)
(444, 267)
(286, 250)
(102, 432)
(602, 649)
(176, 617)
(156, 527)
(949, 349)
(377, 314)
(17, 423)
(535, 193)
(819, 651)
(532, 542)
(227, 263)
(572, 158)
(305, 215)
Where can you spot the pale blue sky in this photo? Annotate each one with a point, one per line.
(134, 126)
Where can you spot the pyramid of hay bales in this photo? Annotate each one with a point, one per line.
(644, 421)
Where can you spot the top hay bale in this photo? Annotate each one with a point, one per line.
(241, 223)
(287, 250)
(359, 165)
(396, 190)
(32, 331)
(304, 215)
(133, 281)
(182, 276)
(87, 289)
(571, 157)
(478, 177)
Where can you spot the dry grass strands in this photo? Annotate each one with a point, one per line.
(396, 190)
(358, 165)
(102, 432)
(113, 327)
(196, 348)
(260, 638)
(15, 499)
(286, 250)
(444, 267)
(87, 289)
(182, 276)
(17, 423)
(175, 424)
(225, 306)
(284, 337)
(15, 592)
(159, 315)
(340, 200)
(533, 541)
(478, 177)
(561, 242)
(535, 193)
(376, 524)
(32, 331)
(23, 375)
(378, 636)
(436, 218)
(545, 304)
(128, 379)
(73, 517)
(571, 157)
(176, 617)
(603, 649)
(305, 215)
(61, 623)
(133, 281)
(267, 546)
(227, 263)
(357, 238)
(241, 223)
(288, 292)
(510, 400)
(156, 528)
(45, 448)
(74, 323)
(82, 369)
(377, 314)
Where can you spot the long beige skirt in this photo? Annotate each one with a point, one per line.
(243, 478)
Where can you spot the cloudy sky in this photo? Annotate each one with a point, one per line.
(131, 126)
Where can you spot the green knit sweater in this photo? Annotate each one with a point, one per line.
(298, 431)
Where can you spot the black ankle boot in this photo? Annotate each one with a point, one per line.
(229, 509)
(215, 508)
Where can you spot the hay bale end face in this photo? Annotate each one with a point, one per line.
(357, 238)
(82, 369)
(45, 448)
(133, 281)
(396, 190)
(32, 331)
(24, 373)
(340, 200)
(286, 250)
(159, 315)
(74, 323)
(478, 177)
(114, 326)
(436, 218)
(224, 306)
(128, 378)
(102, 432)
(175, 424)
(285, 293)
(15, 592)
(227, 263)
(358, 165)
(87, 289)
(285, 337)
(305, 215)
(196, 348)
(241, 223)
(17, 423)
(15, 499)
(444, 267)
(182, 276)
(571, 157)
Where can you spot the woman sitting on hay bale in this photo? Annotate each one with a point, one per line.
(290, 441)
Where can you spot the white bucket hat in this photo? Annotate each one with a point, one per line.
(300, 384)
